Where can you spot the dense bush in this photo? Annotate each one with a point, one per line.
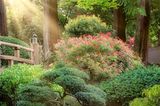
(9, 50)
(73, 82)
(57, 72)
(37, 95)
(91, 96)
(101, 56)
(95, 90)
(84, 25)
(18, 74)
(151, 97)
(130, 84)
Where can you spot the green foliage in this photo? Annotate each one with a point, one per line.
(141, 102)
(100, 56)
(151, 97)
(90, 99)
(6, 50)
(57, 72)
(84, 25)
(70, 101)
(37, 94)
(28, 103)
(70, 83)
(18, 74)
(130, 84)
(90, 4)
(94, 90)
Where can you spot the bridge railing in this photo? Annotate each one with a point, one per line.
(33, 51)
(16, 57)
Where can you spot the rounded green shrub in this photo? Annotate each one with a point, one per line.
(52, 75)
(70, 101)
(129, 85)
(6, 50)
(141, 102)
(18, 74)
(151, 97)
(70, 83)
(90, 99)
(84, 25)
(91, 96)
(94, 90)
(38, 94)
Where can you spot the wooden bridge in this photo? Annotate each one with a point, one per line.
(33, 51)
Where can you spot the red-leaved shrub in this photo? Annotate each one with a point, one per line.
(101, 56)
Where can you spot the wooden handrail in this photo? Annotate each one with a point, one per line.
(16, 56)
(22, 60)
(15, 45)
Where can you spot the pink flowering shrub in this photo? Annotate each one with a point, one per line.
(101, 56)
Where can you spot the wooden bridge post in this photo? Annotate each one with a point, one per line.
(36, 55)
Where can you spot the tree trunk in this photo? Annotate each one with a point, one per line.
(3, 21)
(158, 34)
(120, 23)
(141, 38)
(51, 27)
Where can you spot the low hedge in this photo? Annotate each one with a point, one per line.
(129, 85)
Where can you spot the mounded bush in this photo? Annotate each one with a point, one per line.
(57, 72)
(6, 50)
(70, 101)
(18, 74)
(151, 97)
(85, 25)
(90, 99)
(129, 85)
(100, 56)
(38, 95)
(91, 96)
(95, 90)
(71, 84)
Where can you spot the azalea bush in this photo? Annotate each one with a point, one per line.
(100, 56)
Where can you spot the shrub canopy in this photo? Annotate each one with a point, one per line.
(85, 25)
(129, 85)
(100, 56)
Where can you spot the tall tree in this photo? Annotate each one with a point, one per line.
(122, 9)
(141, 38)
(120, 22)
(51, 27)
(3, 21)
